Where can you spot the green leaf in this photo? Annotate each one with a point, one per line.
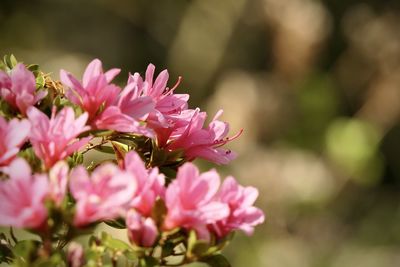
(148, 262)
(129, 140)
(119, 223)
(221, 243)
(105, 149)
(40, 81)
(200, 248)
(120, 150)
(13, 61)
(6, 61)
(3, 66)
(33, 67)
(196, 248)
(114, 244)
(130, 255)
(57, 101)
(93, 256)
(10, 61)
(192, 239)
(217, 261)
(169, 172)
(75, 159)
(25, 249)
(167, 249)
(6, 110)
(54, 260)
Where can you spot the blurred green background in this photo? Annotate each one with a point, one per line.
(314, 84)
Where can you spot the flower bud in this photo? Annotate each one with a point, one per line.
(75, 256)
(141, 231)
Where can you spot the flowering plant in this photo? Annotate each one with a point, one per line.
(173, 214)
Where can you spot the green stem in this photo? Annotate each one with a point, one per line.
(13, 236)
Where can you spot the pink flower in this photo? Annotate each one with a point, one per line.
(190, 200)
(166, 102)
(243, 215)
(107, 106)
(19, 88)
(205, 143)
(104, 195)
(150, 183)
(112, 118)
(22, 197)
(13, 135)
(95, 90)
(141, 231)
(56, 138)
(167, 112)
(178, 124)
(58, 178)
(131, 103)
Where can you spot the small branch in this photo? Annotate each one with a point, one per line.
(68, 236)
(92, 146)
(13, 237)
(46, 248)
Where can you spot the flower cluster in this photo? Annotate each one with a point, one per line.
(151, 188)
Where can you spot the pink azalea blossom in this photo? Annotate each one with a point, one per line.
(104, 195)
(22, 197)
(205, 143)
(95, 90)
(179, 122)
(133, 104)
(107, 106)
(150, 183)
(167, 113)
(19, 88)
(142, 231)
(58, 178)
(13, 134)
(55, 138)
(112, 118)
(166, 102)
(243, 215)
(191, 203)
